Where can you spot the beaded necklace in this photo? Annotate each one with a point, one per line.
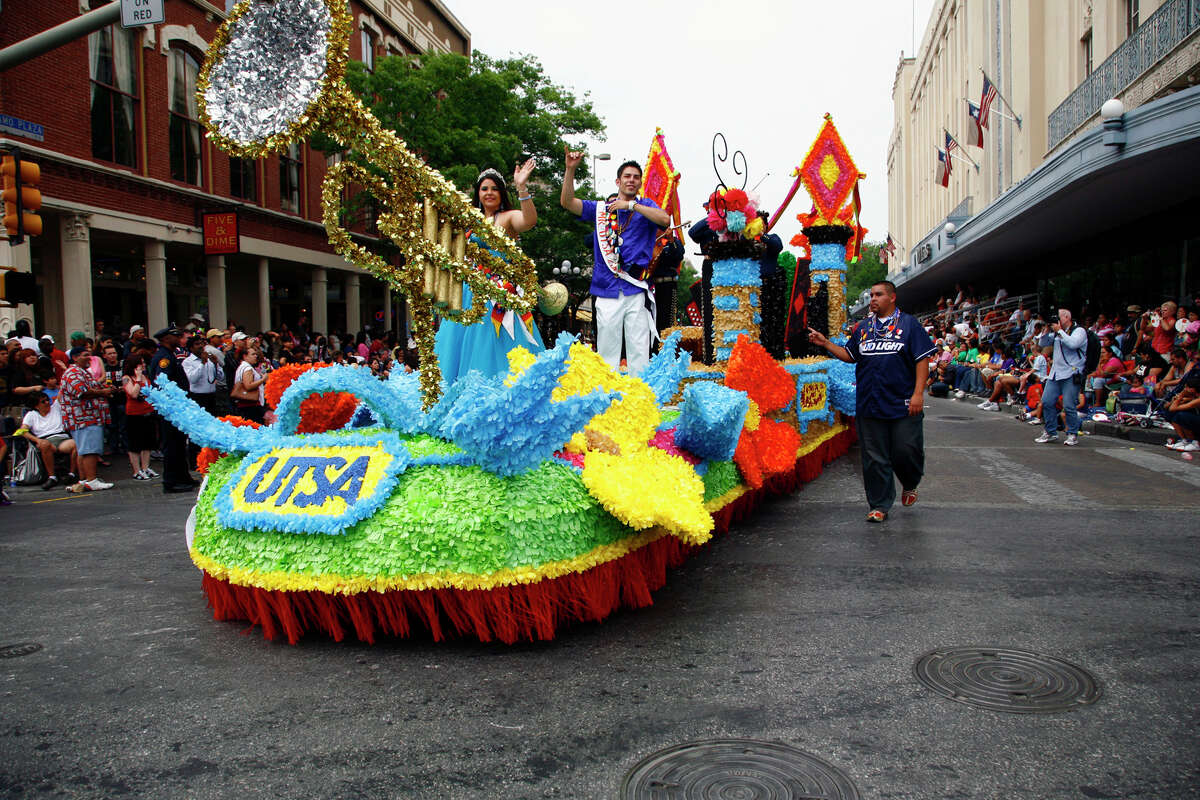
(879, 327)
(616, 230)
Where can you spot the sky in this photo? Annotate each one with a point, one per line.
(762, 72)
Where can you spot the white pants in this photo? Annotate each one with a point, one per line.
(626, 315)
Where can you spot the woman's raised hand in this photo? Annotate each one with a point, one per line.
(521, 174)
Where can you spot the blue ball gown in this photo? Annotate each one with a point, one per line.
(479, 346)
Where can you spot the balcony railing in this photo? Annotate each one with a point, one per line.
(1161, 33)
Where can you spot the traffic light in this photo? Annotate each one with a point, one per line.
(21, 197)
(16, 287)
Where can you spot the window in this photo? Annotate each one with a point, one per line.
(368, 49)
(1132, 13)
(185, 130)
(1086, 47)
(243, 178)
(112, 58)
(289, 179)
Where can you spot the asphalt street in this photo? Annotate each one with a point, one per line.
(801, 626)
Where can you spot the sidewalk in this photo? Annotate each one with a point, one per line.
(118, 475)
(1130, 433)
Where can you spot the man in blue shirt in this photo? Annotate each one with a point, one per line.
(1066, 367)
(625, 229)
(890, 352)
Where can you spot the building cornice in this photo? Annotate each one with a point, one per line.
(174, 231)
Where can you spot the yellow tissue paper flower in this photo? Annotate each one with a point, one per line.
(753, 417)
(650, 487)
(519, 360)
(754, 228)
(629, 422)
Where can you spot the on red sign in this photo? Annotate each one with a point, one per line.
(220, 234)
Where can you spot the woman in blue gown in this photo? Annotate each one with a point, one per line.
(484, 345)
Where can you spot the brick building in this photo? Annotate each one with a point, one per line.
(127, 173)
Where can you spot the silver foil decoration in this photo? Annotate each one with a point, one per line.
(271, 70)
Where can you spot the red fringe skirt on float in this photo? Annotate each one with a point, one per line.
(528, 611)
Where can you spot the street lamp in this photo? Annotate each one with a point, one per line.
(595, 158)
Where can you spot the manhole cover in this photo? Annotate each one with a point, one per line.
(1003, 679)
(23, 649)
(742, 768)
(953, 418)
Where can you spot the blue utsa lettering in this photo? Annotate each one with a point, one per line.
(346, 484)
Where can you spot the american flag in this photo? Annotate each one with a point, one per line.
(985, 105)
(950, 145)
(943, 170)
(973, 125)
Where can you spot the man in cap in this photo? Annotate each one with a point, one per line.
(57, 357)
(238, 342)
(176, 477)
(136, 334)
(215, 347)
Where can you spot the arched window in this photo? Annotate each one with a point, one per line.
(113, 65)
(185, 128)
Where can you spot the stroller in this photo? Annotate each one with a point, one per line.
(1143, 410)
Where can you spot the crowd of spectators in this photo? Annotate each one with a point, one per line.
(1147, 360)
(81, 409)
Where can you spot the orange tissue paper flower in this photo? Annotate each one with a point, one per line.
(320, 412)
(753, 371)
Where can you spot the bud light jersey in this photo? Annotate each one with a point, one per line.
(885, 353)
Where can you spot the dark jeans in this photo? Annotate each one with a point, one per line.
(891, 448)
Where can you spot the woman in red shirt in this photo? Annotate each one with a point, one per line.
(141, 423)
(1164, 332)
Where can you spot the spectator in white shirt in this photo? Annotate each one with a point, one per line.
(963, 328)
(44, 429)
(203, 370)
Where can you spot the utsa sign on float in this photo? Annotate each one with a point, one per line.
(310, 489)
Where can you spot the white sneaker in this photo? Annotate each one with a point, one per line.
(1071, 440)
(1033, 421)
(97, 485)
(141, 475)
(150, 473)
(1046, 437)
(959, 394)
(990, 406)
(1190, 447)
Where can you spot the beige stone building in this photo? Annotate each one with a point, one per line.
(1055, 61)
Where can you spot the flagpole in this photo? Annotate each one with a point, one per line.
(997, 112)
(1004, 100)
(961, 150)
(964, 158)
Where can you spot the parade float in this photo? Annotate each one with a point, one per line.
(501, 507)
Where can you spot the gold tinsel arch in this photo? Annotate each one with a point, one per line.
(423, 214)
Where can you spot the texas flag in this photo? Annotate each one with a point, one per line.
(976, 130)
(943, 169)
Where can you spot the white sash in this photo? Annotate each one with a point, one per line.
(614, 266)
